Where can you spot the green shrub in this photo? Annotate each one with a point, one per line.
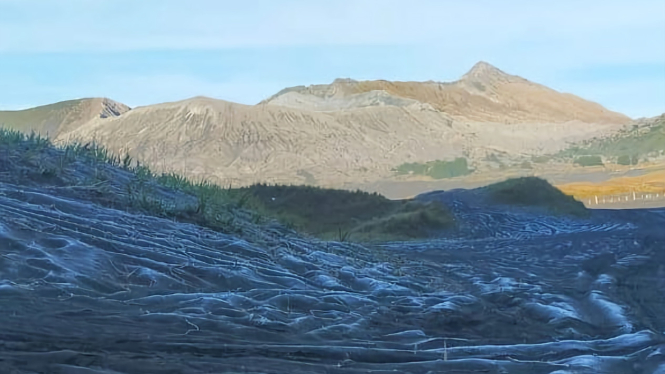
(623, 160)
(408, 168)
(449, 169)
(437, 169)
(589, 161)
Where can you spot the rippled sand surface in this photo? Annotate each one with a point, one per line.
(88, 289)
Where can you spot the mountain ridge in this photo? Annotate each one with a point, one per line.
(484, 93)
(329, 134)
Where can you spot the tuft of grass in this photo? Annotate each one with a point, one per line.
(32, 159)
(535, 192)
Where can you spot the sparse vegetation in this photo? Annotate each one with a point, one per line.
(627, 160)
(637, 141)
(437, 169)
(589, 161)
(543, 159)
(325, 213)
(492, 157)
(535, 192)
(525, 165)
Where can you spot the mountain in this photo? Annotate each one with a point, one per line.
(55, 119)
(484, 94)
(240, 144)
(329, 135)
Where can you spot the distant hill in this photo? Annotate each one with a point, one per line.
(59, 118)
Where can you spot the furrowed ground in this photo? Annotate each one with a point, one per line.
(106, 268)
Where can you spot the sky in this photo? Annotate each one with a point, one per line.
(150, 51)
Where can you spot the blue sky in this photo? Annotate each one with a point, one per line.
(150, 51)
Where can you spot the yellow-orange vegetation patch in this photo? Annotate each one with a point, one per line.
(653, 182)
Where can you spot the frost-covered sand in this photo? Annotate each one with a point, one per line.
(88, 289)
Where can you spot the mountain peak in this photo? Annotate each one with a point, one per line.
(112, 108)
(344, 81)
(484, 70)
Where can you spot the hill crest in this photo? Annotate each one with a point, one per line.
(55, 119)
(484, 94)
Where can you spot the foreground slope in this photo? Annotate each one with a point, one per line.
(90, 283)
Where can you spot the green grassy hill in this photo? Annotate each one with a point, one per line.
(640, 141)
(535, 192)
(341, 214)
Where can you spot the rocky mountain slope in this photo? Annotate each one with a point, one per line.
(332, 134)
(484, 94)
